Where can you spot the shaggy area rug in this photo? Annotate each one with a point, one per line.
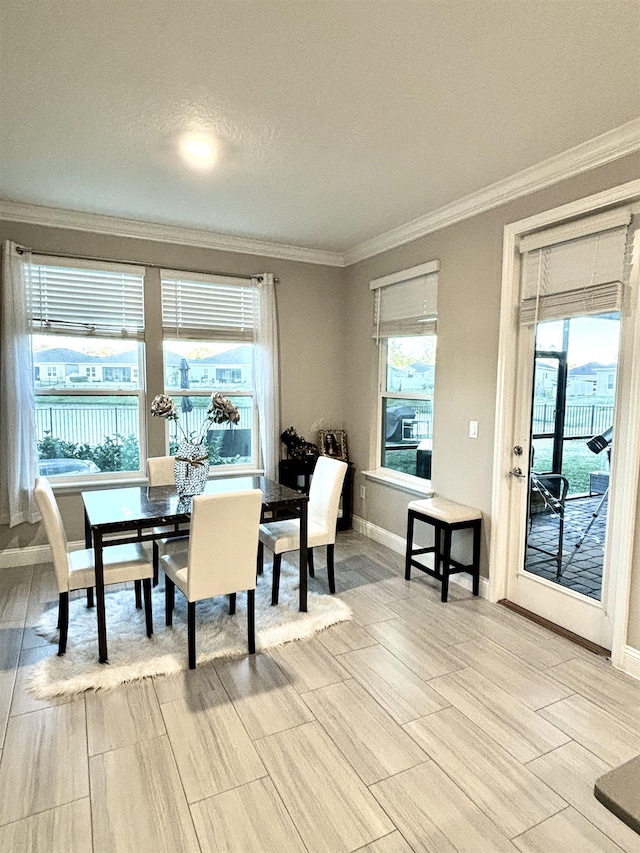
(132, 656)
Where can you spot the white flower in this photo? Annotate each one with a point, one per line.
(220, 411)
(163, 407)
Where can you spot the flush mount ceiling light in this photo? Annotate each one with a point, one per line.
(199, 150)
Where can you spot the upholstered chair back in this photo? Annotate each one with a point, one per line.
(223, 545)
(160, 470)
(52, 521)
(324, 494)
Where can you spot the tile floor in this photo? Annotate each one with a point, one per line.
(582, 567)
(418, 726)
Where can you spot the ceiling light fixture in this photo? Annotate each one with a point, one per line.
(199, 150)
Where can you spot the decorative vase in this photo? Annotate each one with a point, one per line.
(191, 468)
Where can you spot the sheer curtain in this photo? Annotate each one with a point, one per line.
(18, 450)
(266, 373)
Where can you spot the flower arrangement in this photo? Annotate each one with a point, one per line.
(220, 411)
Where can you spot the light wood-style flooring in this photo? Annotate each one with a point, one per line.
(417, 727)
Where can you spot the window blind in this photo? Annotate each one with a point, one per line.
(406, 303)
(71, 297)
(575, 269)
(199, 307)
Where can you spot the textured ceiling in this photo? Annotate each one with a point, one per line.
(336, 121)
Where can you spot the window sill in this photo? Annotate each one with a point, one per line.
(403, 482)
(71, 487)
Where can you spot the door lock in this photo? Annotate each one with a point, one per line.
(517, 450)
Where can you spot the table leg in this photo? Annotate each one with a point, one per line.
(100, 610)
(87, 531)
(303, 555)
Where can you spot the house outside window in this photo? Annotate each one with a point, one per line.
(89, 422)
(208, 328)
(228, 376)
(404, 325)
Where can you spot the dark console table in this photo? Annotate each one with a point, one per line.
(297, 473)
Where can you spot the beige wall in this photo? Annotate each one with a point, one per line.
(470, 255)
(310, 312)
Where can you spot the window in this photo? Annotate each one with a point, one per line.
(87, 322)
(208, 327)
(404, 326)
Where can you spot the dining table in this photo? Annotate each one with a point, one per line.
(130, 514)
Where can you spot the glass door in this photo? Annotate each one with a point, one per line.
(574, 382)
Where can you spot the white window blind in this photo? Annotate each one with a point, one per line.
(70, 297)
(406, 303)
(575, 269)
(200, 307)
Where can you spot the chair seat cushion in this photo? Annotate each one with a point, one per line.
(174, 565)
(444, 510)
(173, 544)
(282, 536)
(122, 563)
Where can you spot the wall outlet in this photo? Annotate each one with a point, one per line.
(362, 493)
(473, 429)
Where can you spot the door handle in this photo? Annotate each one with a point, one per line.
(517, 472)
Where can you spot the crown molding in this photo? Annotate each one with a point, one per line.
(601, 149)
(113, 226)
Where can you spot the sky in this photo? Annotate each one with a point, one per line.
(590, 339)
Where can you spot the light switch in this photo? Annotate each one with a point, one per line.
(473, 429)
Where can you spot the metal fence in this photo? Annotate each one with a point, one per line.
(86, 424)
(92, 424)
(578, 420)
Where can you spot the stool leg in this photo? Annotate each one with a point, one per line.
(438, 533)
(476, 558)
(446, 557)
(407, 562)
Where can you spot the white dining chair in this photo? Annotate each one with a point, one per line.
(161, 472)
(76, 569)
(220, 558)
(324, 501)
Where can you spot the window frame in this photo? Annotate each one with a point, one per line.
(383, 394)
(405, 306)
(148, 374)
(92, 390)
(177, 326)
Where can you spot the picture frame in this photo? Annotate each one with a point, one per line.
(333, 443)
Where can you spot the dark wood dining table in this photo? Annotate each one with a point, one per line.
(136, 509)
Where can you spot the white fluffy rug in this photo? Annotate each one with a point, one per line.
(133, 656)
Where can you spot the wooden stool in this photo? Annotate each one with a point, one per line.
(445, 516)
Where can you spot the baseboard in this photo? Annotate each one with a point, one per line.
(399, 545)
(631, 662)
(32, 555)
(379, 534)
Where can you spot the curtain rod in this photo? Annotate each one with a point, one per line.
(22, 249)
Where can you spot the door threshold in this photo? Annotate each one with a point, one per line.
(557, 629)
